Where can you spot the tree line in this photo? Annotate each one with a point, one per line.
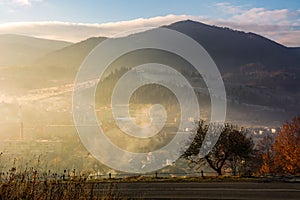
(235, 150)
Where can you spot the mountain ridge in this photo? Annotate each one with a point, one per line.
(242, 47)
(261, 77)
(229, 48)
(20, 50)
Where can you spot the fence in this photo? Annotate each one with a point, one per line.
(200, 174)
(69, 175)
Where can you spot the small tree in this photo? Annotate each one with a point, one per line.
(287, 148)
(281, 155)
(231, 149)
(266, 151)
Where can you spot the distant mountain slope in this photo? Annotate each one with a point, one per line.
(231, 49)
(247, 58)
(17, 50)
(241, 57)
(262, 77)
(71, 56)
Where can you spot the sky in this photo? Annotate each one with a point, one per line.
(76, 20)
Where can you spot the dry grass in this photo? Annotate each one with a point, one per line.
(57, 190)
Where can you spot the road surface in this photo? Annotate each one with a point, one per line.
(210, 190)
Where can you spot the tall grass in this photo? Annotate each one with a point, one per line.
(15, 189)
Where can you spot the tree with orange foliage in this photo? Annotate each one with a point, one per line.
(287, 148)
(266, 153)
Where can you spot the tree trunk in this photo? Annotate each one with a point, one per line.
(219, 171)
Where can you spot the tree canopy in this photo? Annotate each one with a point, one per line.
(282, 157)
(232, 149)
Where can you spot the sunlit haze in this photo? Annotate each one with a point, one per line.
(167, 99)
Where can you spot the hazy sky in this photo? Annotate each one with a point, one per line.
(75, 20)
